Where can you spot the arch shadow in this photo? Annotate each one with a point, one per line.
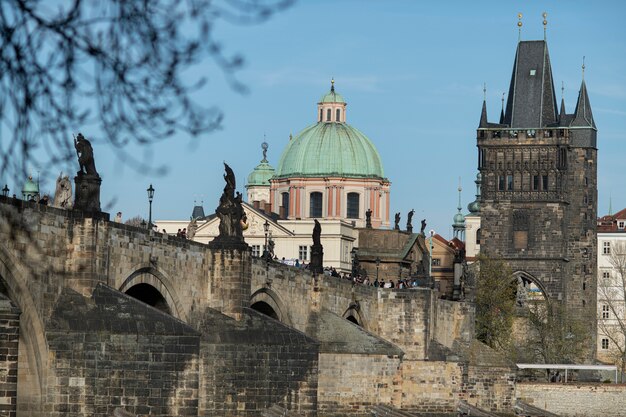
(161, 283)
(264, 298)
(32, 337)
(354, 314)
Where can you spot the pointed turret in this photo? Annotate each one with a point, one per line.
(582, 115)
(483, 116)
(531, 102)
(502, 110)
(562, 112)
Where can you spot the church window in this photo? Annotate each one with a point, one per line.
(606, 313)
(535, 182)
(585, 199)
(328, 113)
(285, 202)
(303, 253)
(605, 343)
(321, 115)
(353, 206)
(338, 116)
(478, 236)
(315, 206)
(521, 226)
(606, 248)
(586, 181)
(256, 250)
(544, 183)
(509, 182)
(500, 182)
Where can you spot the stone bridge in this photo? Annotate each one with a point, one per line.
(74, 343)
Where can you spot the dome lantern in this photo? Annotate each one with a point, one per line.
(332, 107)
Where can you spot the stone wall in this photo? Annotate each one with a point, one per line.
(9, 339)
(575, 400)
(454, 321)
(352, 384)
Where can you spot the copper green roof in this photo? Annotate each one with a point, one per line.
(330, 149)
(30, 187)
(332, 97)
(261, 174)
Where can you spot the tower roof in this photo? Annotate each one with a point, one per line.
(583, 116)
(531, 101)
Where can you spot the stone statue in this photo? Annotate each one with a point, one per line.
(231, 214)
(85, 156)
(87, 181)
(368, 218)
(270, 248)
(397, 224)
(191, 228)
(317, 233)
(317, 251)
(409, 226)
(63, 192)
(423, 227)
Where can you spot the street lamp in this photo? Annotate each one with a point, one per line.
(5, 190)
(150, 197)
(377, 266)
(266, 228)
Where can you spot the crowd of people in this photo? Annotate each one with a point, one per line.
(400, 283)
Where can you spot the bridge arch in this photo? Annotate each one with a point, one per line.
(353, 314)
(155, 284)
(32, 345)
(267, 301)
(529, 282)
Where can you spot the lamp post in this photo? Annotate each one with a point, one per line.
(266, 228)
(150, 197)
(5, 190)
(377, 266)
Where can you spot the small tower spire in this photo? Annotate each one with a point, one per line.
(583, 67)
(459, 189)
(332, 85)
(458, 225)
(562, 112)
(502, 110)
(610, 205)
(483, 113)
(264, 146)
(545, 24)
(519, 25)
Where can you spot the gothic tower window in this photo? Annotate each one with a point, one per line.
(544, 186)
(509, 182)
(353, 206)
(521, 225)
(500, 182)
(535, 182)
(315, 207)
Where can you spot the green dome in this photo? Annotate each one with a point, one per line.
(30, 187)
(261, 174)
(474, 206)
(332, 97)
(459, 220)
(330, 149)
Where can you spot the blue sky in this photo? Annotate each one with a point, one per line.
(412, 74)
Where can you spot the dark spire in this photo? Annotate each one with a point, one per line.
(502, 111)
(483, 113)
(531, 102)
(582, 114)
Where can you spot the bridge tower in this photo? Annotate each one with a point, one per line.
(539, 192)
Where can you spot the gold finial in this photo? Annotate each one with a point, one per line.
(332, 84)
(545, 24)
(519, 25)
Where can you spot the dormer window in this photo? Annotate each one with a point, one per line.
(620, 225)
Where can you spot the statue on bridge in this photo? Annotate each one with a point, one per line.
(397, 222)
(87, 181)
(409, 225)
(231, 214)
(317, 251)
